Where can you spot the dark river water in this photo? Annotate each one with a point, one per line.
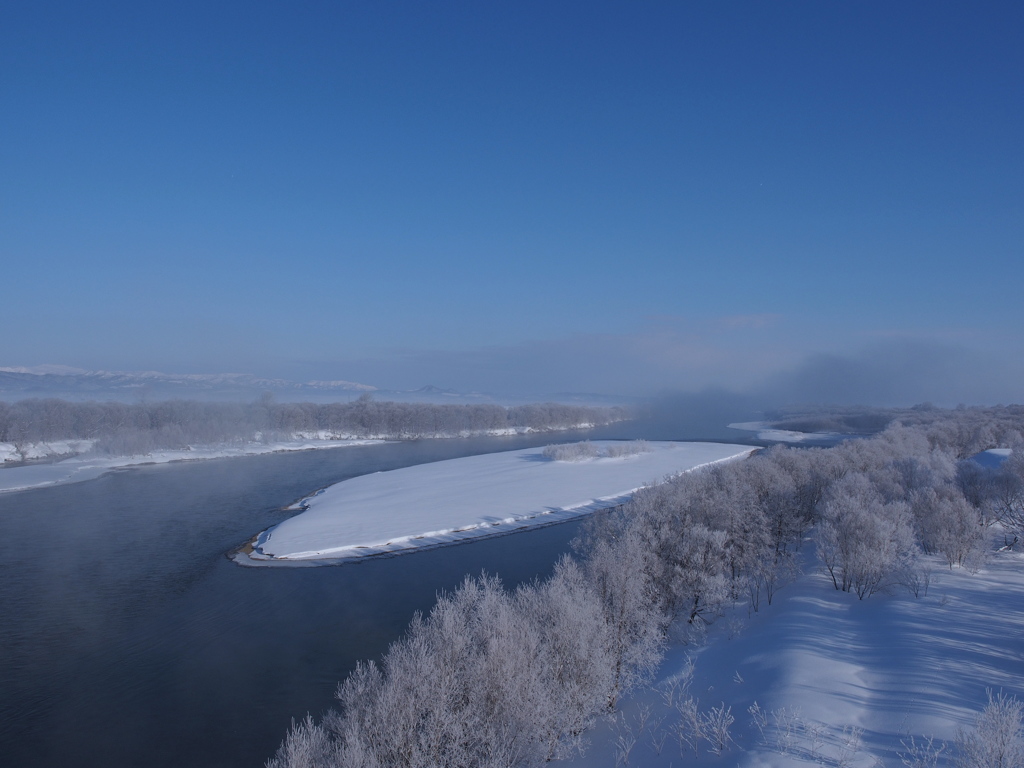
(127, 638)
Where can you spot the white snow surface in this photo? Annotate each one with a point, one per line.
(87, 467)
(993, 458)
(820, 660)
(447, 501)
(765, 431)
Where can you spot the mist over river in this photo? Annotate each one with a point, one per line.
(128, 638)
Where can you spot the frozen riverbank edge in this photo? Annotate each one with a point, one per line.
(80, 468)
(449, 502)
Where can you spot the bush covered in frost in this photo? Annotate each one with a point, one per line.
(572, 451)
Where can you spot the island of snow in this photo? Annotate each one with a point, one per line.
(448, 501)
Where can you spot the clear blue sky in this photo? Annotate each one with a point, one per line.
(536, 196)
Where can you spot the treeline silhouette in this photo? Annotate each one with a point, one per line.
(125, 429)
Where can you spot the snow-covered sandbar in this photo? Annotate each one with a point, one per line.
(448, 501)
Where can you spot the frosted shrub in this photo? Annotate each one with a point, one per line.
(788, 725)
(688, 728)
(759, 717)
(849, 745)
(625, 739)
(996, 740)
(715, 726)
(587, 450)
(921, 754)
(572, 451)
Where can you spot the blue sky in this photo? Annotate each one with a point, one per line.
(530, 196)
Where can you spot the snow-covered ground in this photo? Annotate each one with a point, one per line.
(87, 467)
(820, 661)
(447, 501)
(765, 431)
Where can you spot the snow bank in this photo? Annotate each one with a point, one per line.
(447, 501)
(81, 468)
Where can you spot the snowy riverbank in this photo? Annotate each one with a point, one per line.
(448, 501)
(86, 467)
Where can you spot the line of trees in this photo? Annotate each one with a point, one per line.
(586, 450)
(126, 429)
(493, 677)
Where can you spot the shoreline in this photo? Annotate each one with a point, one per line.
(244, 556)
(241, 555)
(79, 468)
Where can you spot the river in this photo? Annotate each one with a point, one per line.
(128, 638)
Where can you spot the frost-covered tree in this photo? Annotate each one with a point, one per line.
(307, 745)
(464, 688)
(1006, 495)
(619, 565)
(948, 524)
(775, 491)
(578, 655)
(864, 542)
(975, 483)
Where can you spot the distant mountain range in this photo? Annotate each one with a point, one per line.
(78, 384)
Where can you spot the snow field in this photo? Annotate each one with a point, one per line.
(837, 681)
